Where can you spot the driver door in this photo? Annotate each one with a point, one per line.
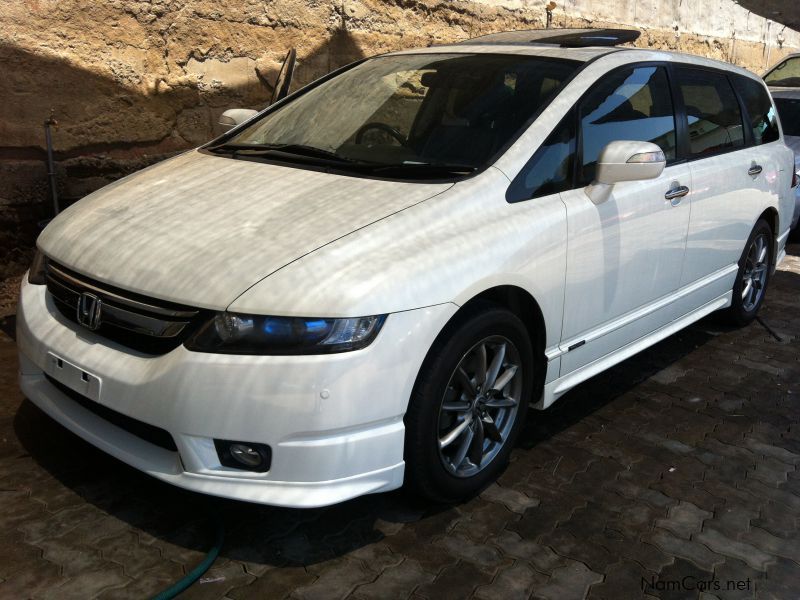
(624, 256)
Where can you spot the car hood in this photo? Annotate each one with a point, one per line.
(200, 229)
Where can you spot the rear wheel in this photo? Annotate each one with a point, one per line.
(468, 404)
(755, 267)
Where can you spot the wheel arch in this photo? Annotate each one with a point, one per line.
(521, 303)
(771, 216)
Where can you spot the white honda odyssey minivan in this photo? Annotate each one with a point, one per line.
(368, 283)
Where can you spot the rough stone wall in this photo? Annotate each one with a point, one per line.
(133, 81)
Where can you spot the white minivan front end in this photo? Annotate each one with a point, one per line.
(311, 430)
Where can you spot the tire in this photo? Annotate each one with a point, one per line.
(430, 469)
(747, 300)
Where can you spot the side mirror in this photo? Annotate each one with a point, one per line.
(625, 161)
(235, 116)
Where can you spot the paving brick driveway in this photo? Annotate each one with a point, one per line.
(676, 471)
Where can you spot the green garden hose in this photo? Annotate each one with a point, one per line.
(195, 574)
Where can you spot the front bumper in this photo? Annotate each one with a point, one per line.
(334, 422)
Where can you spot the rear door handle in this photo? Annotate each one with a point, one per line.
(675, 194)
(754, 170)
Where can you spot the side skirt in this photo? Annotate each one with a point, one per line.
(557, 388)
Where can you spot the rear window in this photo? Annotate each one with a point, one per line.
(789, 112)
(713, 118)
(763, 119)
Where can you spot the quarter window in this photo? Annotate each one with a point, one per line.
(628, 105)
(550, 169)
(713, 118)
(762, 115)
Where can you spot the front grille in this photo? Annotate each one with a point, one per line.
(135, 321)
(149, 433)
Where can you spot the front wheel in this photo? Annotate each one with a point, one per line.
(468, 404)
(755, 267)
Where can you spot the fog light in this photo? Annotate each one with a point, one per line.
(244, 455)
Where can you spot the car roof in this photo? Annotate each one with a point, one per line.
(566, 38)
(785, 92)
(542, 50)
(577, 54)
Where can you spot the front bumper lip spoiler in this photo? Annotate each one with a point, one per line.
(166, 465)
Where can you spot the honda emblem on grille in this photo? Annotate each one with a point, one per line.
(89, 309)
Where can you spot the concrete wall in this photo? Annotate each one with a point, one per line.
(131, 82)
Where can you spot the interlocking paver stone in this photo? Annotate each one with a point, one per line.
(513, 500)
(593, 554)
(275, 583)
(623, 581)
(485, 520)
(217, 581)
(336, 580)
(541, 557)
(518, 581)
(481, 554)
(776, 452)
(32, 579)
(732, 521)
(690, 550)
(722, 544)
(147, 583)
(88, 584)
(398, 581)
(684, 519)
(570, 581)
(772, 544)
(677, 581)
(456, 582)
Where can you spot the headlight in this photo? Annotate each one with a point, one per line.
(231, 333)
(36, 274)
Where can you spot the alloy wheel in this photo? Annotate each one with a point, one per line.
(756, 268)
(479, 406)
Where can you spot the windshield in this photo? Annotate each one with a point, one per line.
(786, 73)
(789, 112)
(416, 110)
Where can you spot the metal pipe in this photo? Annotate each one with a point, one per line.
(551, 6)
(51, 166)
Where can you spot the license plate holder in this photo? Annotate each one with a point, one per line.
(74, 377)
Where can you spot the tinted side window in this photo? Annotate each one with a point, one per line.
(549, 171)
(760, 110)
(627, 105)
(789, 111)
(713, 117)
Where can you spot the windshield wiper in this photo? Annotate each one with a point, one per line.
(319, 155)
(426, 168)
(292, 149)
(303, 150)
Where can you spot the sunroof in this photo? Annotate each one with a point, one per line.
(567, 38)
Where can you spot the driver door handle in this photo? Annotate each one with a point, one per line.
(754, 170)
(676, 193)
